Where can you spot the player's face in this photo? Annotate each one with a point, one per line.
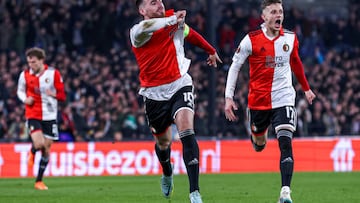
(273, 16)
(152, 9)
(35, 64)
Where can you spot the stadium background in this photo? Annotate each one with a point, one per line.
(88, 41)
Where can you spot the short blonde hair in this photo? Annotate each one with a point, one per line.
(266, 3)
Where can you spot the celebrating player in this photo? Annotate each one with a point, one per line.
(167, 87)
(273, 56)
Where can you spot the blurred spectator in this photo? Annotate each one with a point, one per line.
(3, 127)
(304, 118)
(82, 130)
(317, 126)
(103, 132)
(143, 131)
(88, 41)
(66, 124)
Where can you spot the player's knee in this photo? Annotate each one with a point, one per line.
(257, 135)
(284, 130)
(261, 137)
(163, 141)
(163, 145)
(285, 135)
(40, 144)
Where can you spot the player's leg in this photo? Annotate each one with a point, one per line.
(259, 140)
(50, 133)
(163, 152)
(184, 122)
(286, 165)
(184, 119)
(45, 154)
(284, 122)
(32, 152)
(158, 114)
(190, 147)
(37, 139)
(259, 122)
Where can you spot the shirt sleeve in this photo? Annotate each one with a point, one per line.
(297, 66)
(196, 39)
(242, 53)
(59, 86)
(142, 32)
(21, 87)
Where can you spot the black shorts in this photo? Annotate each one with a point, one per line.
(280, 118)
(161, 114)
(49, 128)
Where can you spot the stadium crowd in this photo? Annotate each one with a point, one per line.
(88, 41)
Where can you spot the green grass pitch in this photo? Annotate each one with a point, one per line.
(215, 188)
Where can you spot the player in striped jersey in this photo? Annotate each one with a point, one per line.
(40, 88)
(273, 56)
(158, 45)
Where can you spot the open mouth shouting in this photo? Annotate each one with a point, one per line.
(278, 24)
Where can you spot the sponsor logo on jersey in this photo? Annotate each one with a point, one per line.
(277, 61)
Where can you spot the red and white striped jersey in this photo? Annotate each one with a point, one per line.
(271, 62)
(158, 45)
(35, 85)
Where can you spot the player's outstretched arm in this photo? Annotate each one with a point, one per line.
(196, 39)
(213, 59)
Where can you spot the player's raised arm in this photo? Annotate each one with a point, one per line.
(196, 39)
(142, 32)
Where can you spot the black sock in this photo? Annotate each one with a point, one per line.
(191, 157)
(286, 160)
(164, 159)
(33, 150)
(43, 163)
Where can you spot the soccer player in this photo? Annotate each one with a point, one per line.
(158, 45)
(40, 88)
(273, 55)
